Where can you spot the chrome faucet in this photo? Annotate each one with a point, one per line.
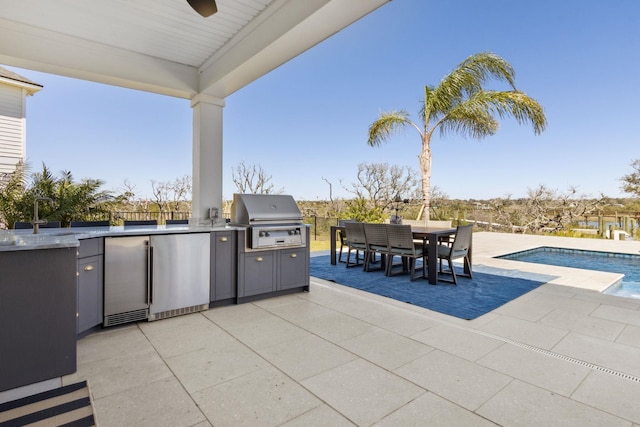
(36, 220)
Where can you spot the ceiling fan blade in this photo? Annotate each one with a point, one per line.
(205, 8)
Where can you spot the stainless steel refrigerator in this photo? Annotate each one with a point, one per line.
(126, 279)
(154, 277)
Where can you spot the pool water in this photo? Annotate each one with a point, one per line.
(627, 264)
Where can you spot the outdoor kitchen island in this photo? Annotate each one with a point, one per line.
(53, 289)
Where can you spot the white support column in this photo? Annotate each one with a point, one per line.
(207, 158)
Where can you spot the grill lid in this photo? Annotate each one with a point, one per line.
(255, 209)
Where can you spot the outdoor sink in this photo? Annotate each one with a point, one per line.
(42, 238)
(6, 240)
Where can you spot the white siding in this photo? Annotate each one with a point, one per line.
(12, 127)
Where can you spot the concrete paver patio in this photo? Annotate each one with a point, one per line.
(563, 354)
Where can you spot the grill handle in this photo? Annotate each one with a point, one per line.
(278, 220)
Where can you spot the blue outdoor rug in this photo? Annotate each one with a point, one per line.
(469, 299)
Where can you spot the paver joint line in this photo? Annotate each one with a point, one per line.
(553, 354)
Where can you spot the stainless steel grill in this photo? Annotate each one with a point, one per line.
(273, 220)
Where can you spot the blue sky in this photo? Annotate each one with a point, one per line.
(308, 119)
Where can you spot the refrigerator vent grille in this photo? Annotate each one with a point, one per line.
(178, 312)
(130, 316)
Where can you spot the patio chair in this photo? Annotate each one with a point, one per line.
(377, 243)
(342, 237)
(456, 250)
(401, 243)
(356, 242)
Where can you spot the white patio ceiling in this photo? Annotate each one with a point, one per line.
(164, 46)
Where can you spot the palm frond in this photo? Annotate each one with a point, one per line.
(518, 105)
(469, 121)
(467, 79)
(515, 104)
(386, 124)
(476, 117)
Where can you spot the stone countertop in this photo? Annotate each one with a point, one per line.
(53, 238)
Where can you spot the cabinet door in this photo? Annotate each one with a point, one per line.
(294, 268)
(126, 277)
(223, 265)
(89, 292)
(180, 271)
(258, 273)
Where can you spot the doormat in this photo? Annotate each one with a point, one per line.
(65, 406)
(469, 299)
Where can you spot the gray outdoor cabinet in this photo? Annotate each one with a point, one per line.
(256, 274)
(293, 268)
(37, 315)
(223, 267)
(90, 284)
(266, 273)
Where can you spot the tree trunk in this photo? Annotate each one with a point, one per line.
(425, 172)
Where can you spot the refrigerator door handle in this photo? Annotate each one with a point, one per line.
(150, 275)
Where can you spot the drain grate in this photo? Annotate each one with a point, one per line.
(553, 354)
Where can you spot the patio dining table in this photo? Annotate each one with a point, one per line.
(430, 235)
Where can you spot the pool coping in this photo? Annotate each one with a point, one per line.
(488, 246)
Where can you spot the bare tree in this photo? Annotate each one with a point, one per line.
(381, 184)
(545, 209)
(335, 206)
(128, 194)
(631, 182)
(161, 190)
(252, 180)
(181, 191)
(330, 188)
(171, 194)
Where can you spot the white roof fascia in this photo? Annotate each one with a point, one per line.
(30, 88)
(294, 27)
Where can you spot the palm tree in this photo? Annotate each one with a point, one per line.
(71, 200)
(460, 104)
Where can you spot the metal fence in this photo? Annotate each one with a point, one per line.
(320, 226)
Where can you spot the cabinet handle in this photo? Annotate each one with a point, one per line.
(88, 267)
(259, 259)
(223, 239)
(294, 255)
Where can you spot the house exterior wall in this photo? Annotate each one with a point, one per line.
(12, 127)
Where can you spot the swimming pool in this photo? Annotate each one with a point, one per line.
(627, 264)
